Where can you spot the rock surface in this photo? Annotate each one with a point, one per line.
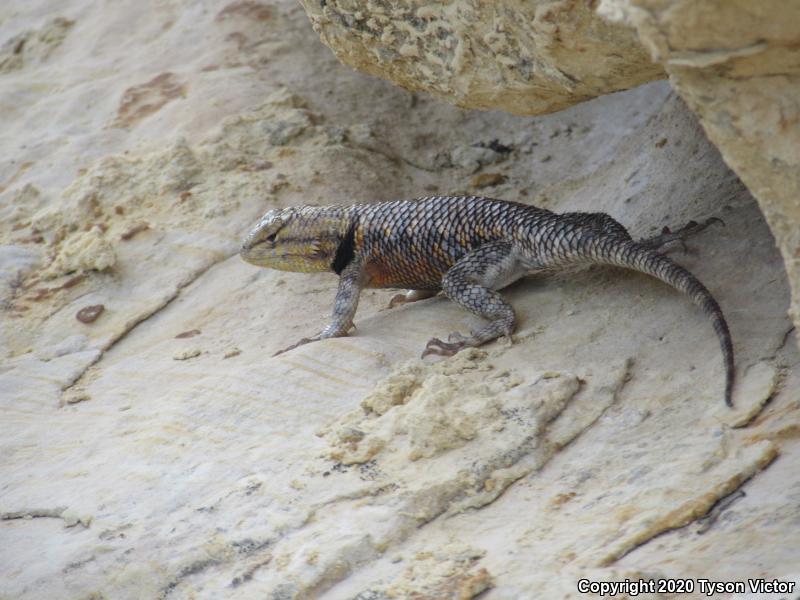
(737, 65)
(157, 450)
(527, 58)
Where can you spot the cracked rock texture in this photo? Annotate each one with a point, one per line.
(154, 448)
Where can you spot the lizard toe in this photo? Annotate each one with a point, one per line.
(397, 300)
(437, 346)
(293, 346)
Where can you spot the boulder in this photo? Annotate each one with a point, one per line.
(526, 58)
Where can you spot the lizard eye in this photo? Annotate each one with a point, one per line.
(271, 237)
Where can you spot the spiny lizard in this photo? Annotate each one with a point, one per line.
(466, 246)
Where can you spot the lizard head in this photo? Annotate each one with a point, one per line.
(295, 239)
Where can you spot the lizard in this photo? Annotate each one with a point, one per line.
(468, 247)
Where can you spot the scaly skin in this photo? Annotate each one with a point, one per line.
(469, 247)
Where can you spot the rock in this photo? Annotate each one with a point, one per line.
(446, 572)
(187, 354)
(33, 46)
(526, 58)
(89, 314)
(511, 470)
(16, 262)
(188, 334)
(473, 158)
(484, 180)
(147, 98)
(738, 67)
(84, 251)
(133, 231)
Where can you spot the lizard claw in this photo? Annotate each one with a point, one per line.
(693, 227)
(293, 346)
(437, 346)
(667, 237)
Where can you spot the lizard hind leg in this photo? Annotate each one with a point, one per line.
(667, 239)
(472, 282)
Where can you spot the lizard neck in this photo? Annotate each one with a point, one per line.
(332, 231)
(346, 250)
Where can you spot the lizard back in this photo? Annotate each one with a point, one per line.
(413, 243)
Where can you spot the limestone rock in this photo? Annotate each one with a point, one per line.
(523, 57)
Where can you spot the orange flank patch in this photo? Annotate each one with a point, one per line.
(397, 271)
(377, 276)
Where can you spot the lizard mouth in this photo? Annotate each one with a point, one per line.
(260, 252)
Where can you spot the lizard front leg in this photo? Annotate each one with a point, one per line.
(344, 307)
(472, 282)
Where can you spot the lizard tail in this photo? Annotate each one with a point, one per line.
(637, 257)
